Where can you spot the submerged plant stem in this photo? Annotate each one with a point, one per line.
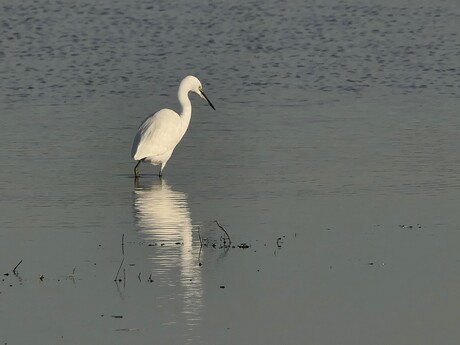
(225, 231)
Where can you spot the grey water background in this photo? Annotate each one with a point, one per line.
(333, 153)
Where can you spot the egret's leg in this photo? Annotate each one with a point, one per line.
(136, 169)
(161, 169)
(164, 164)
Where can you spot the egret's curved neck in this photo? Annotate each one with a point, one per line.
(186, 113)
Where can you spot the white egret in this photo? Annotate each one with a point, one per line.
(159, 134)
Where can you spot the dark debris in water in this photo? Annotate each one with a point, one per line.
(164, 244)
(222, 243)
(409, 226)
(279, 242)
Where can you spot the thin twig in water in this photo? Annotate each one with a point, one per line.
(226, 233)
(14, 269)
(123, 253)
(199, 237)
(119, 268)
(199, 256)
(201, 247)
(72, 275)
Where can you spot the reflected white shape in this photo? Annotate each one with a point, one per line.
(163, 218)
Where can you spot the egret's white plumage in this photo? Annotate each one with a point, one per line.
(159, 134)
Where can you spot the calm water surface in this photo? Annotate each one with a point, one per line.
(334, 155)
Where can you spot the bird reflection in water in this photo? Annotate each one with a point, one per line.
(164, 222)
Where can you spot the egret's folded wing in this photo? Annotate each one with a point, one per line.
(158, 134)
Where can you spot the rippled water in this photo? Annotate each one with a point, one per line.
(333, 155)
(243, 49)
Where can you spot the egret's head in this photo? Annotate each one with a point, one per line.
(193, 84)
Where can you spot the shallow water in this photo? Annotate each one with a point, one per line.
(333, 155)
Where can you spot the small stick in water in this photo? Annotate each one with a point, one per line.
(119, 268)
(14, 269)
(226, 233)
(199, 237)
(201, 247)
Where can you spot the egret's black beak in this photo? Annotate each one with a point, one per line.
(207, 99)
